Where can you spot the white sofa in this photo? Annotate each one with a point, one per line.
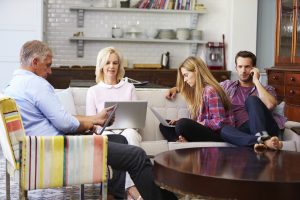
(152, 140)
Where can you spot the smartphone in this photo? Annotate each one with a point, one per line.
(250, 76)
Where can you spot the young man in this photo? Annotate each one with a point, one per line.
(252, 105)
(42, 114)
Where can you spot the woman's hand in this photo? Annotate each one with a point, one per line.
(171, 93)
(202, 123)
(172, 122)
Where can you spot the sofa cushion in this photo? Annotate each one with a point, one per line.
(291, 124)
(79, 95)
(291, 141)
(174, 109)
(183, 145)
(66, 99)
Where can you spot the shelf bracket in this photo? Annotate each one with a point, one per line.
(80, 48)
(193, 49)
(194, 21)
(80, 18)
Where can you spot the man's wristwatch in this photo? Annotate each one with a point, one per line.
(263, 138)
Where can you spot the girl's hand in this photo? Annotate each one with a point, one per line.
(172, 122)
(202, 123)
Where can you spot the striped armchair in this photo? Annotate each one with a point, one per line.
(49, 161)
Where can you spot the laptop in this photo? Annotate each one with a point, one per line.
(160, 118)
(130, 114)
(111, 114)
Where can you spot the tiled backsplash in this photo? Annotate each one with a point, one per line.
(62, 24)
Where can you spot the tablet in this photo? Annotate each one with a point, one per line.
(111, 114)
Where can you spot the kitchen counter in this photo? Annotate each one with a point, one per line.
(62, 76)
(89, 83)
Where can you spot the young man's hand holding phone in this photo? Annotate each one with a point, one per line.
(250, 78)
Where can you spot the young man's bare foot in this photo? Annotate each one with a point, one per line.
(259, 148)
(273, 143)
(181, 139)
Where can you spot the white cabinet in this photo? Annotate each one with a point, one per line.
(81, 11)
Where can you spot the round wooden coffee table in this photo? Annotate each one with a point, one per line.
(229, 172)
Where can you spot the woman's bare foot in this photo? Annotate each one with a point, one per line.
(133, 194)
(273, 143)
(181, 139)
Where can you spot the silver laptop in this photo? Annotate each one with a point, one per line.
(160, 118)
(130, 114)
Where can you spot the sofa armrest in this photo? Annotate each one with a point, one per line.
(292, 133)
(292, 124)
(296, 130)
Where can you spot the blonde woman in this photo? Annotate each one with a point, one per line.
(207, 102)
(110, 87)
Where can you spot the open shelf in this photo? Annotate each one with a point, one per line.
(137, 40)
(90, 8)
(82, 39)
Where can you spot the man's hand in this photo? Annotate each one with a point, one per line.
(269, 100)
(89, 122)
(171, 94)
(101, 117)
(256, 74)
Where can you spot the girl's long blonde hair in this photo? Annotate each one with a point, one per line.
(203, 77)
(102, 59)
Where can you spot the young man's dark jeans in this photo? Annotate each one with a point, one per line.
(133, 159)
(260, 122)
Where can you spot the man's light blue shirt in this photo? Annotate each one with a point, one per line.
(41, 111)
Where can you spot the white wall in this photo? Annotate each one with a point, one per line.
(266, 28)
(243, 24)
(19, 21)
(265, 42)
(237, 19)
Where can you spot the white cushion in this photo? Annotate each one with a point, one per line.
(67, 100)
(291, 124)
(79, 95)
(291, 137)
(183, 145)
